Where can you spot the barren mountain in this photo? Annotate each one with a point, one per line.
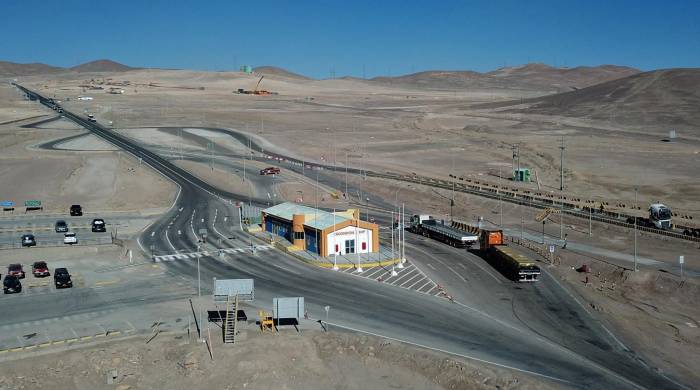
(276, 71)
(101, 66)
(667, 99)
(11, 69)
(562, 78)
(531, 77)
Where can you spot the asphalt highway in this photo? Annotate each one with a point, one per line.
(367, 305)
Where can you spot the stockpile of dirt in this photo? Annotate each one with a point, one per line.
(312, 360)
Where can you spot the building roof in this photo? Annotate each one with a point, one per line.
(313, 218)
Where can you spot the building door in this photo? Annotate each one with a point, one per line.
(350, 246)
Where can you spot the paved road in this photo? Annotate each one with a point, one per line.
(362, 303)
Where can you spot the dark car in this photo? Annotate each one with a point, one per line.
(28, 240)
(98, 225)
(76, 210)
(11, 285)
(40, 269)
(61, 278)
(15, 270)
(61, 226)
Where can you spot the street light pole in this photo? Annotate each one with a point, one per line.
(635, 230)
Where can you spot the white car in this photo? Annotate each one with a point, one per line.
(70, 238)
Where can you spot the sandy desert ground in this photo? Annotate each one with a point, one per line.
(402, 129)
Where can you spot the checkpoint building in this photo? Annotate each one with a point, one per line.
(322, 232)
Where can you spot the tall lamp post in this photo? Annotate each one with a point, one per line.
(635, 230)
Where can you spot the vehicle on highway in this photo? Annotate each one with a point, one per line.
(91, 118)
(11, 285)
(513, 265)
(76, 210)
(16, 270)
(40, 269)
(61, 226)
(659, 217)
(61, 278)
(270, 171)
(98, 225)
(28, 240)
(70, 238)
(428, 226)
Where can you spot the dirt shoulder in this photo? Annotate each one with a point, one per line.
(287, 360)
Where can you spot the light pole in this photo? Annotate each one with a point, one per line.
(635, 230)
(543, 222)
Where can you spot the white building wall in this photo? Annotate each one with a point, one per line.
(349, 233)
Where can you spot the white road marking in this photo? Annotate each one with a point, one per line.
(431, 266)
(410, 280)
(457, 273)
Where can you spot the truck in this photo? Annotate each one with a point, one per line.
(511, 264)
(659, 217)
(428, 226)
(270, 171)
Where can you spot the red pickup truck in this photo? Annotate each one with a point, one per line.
(270, 171)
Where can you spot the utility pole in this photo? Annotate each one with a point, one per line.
(500, 196)
(561, 173)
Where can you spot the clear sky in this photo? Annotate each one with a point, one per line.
(382, 37)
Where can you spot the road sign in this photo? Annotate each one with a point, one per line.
(7, 203)
(681, 259)
(551, 249)
(32, 203)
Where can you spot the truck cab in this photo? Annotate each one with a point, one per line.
(660, 216)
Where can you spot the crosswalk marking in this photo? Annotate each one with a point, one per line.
(193, 255)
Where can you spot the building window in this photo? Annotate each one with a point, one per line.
(350, 246)
(298, 235)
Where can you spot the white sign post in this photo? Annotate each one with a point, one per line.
(681, 260)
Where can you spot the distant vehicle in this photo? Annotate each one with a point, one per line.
(84, 98)
(16, 270)
(60, 111)
(61, 278)
(513, 265)
(28, 240)
(429, 227)
(76, 210)
(270, 171)
(70, 238)
(659, 217)
(11, 285)
(61, 226)
(98, 225)
(40, 269)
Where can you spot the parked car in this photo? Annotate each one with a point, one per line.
(70, 238)
(61, 278)
(16, 270)
(76, 210)
(40, 269)
(11, 285)
(28, 240)
(61, 226)
(98, 225)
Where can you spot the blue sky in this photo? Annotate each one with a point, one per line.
(381, 37)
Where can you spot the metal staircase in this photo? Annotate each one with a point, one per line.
(230, 322)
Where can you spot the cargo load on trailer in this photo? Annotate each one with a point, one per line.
(437, 230)
(510, 263)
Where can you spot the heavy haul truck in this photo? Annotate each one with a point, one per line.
(510, 263)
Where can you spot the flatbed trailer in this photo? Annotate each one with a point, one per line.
(429, 227)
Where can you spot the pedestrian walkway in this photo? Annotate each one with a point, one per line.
(409, 277)
(194, 255)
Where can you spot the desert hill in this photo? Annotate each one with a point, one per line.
(101, 66)
(531, 76)
(11, 69)
(667, 98)
(277, 71)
